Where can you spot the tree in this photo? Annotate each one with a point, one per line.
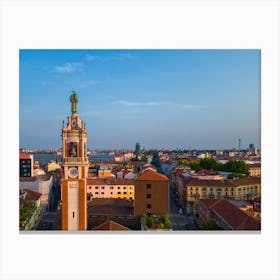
(208, 163)
(194, 165)
(155, 160)
(236, 166)
(211, 225)
(144, 159)
(148, 221)
(183, 162)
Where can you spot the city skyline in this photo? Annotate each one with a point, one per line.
(203, 99)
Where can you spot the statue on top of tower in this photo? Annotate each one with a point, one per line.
(74, 100)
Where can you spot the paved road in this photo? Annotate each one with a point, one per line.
(180, 221)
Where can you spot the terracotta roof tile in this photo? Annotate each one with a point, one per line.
(189, 181)
(237, 219)
(98, 181)
(34, 178)
(201, 182)
(152, 176)
(245, 181)
(110, 225)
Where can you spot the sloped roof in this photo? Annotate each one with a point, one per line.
(31, 195)
(110, 225)
(245, 181)
(44, 177)
(206, 183)
(152, 176)
(236, 218)
(98, 181)
(189, 181)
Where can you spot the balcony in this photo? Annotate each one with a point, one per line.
(75, 159)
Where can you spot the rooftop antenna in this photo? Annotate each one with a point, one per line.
(239, 146)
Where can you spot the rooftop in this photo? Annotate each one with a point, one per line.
(237, 219)
(222, 183)
(152, 176)
(110, 225)
(110, 181)
(35, 178)
(110, 207)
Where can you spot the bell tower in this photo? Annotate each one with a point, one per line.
(74, 171)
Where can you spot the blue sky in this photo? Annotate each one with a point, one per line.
(204, 99)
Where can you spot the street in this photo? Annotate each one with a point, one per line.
(179, 220)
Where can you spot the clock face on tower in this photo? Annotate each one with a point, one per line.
(73, 172)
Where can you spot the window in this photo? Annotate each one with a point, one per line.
(124, 193)
(96, 192)
(149, 206)
(111, 192)
(119, 192)
(211, 196)
(149, 186)
(96, 187)
(119, 188)
(90, 187)
(239, 193)
(102, 192)
(73, 215)
(130, 193)
(149, 195)
(124, 188)
(111, 188)
(102, 188)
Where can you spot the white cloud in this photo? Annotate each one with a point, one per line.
(45, 83)
(129, 103)
(125, 56)
(121, 56)
(157, 104)
(85, 84)
(89, 57)
(69, 67)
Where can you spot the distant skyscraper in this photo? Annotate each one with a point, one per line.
(252, 149)
(137, 149)
(239, 144)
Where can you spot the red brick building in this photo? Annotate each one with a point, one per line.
(151, 194)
